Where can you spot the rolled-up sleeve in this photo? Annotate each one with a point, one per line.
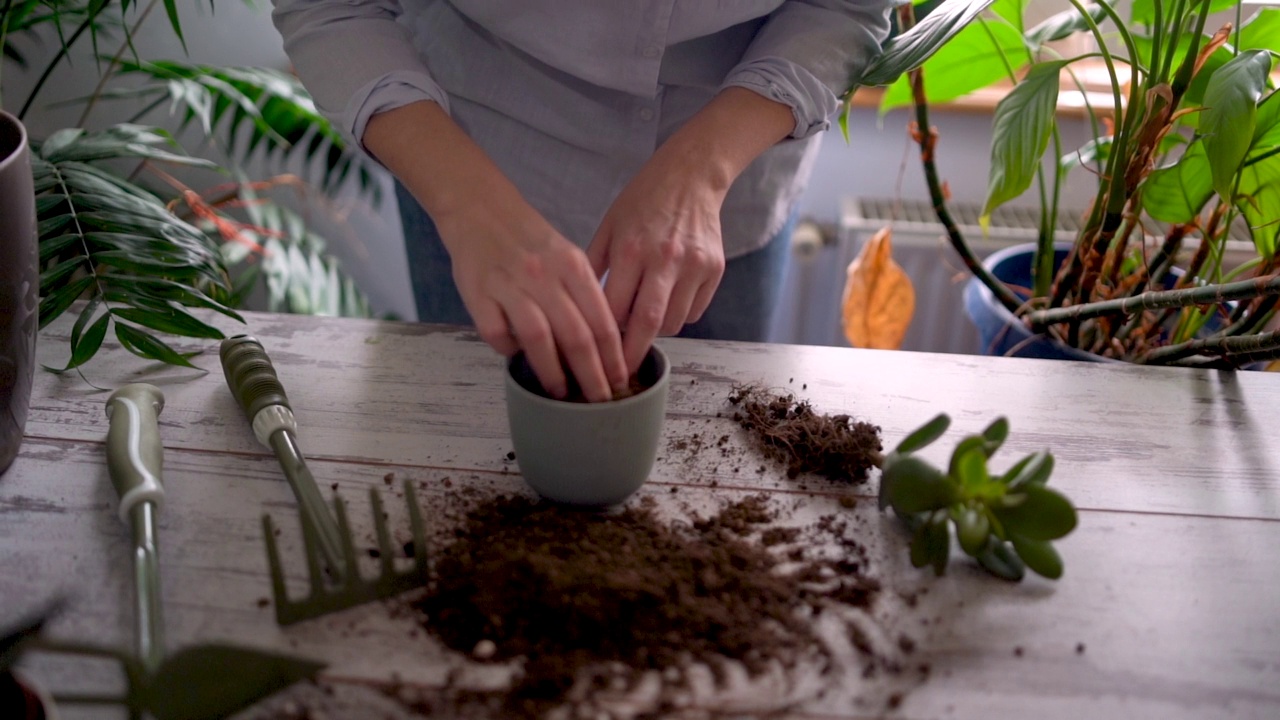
(809, 52)
(354, 58)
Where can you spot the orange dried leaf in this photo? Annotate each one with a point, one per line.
(879, 299)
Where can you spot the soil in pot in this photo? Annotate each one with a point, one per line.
(646, 377)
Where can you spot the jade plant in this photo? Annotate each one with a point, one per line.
(1006, 521)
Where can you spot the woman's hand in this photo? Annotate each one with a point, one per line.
(660, 241)
(529, 288)
(525, 285)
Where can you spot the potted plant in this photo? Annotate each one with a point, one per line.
(121, 228)
(1185, 148)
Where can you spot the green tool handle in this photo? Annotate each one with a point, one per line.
(251, 376)
(135, 458)
(135, 463)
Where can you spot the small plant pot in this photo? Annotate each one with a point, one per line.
(588, 454)
(21, 698)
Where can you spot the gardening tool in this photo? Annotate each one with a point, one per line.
(256, 387)
(353, 590)
(326, 536)
(204, 681)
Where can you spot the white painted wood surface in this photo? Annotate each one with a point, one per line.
(1172, 584)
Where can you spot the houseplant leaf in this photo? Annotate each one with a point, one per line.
(914, 485)
(1012, 11)
(1039, 514)
(910, 49)
(1261, 32)
(1259, 201)
(1231, 107)
(925, 435)
(1063, 25)
(973, 59)
(1177, 193)
(1023, 122)
(1144, 11)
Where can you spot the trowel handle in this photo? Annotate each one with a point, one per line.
(250, 375)
(135, 457)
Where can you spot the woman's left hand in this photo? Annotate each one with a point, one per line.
(660, 242)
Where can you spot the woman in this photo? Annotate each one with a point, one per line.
(556, 143)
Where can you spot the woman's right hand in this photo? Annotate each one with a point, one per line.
(525, 285)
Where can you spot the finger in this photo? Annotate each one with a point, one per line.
(598, 250)
(533, 332)
(646, 318)
(702, 300)
(678, 306)
(594, 308)
(575, 342)
(493, 328)
(620, 288)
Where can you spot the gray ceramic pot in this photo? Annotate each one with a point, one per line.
(590, 454)
(19, 284)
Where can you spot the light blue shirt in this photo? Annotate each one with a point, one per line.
(571, 97)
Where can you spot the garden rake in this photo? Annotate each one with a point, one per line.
(326, 537)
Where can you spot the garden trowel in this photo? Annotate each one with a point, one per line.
(197, 682)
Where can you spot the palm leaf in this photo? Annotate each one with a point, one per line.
(297, 275)
(107, 239)
(257, 107)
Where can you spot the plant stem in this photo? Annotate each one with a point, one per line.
(115, 60)
(1204, 295)
(1213, 346)
(62, 53)
(1175, 34)
(927, 139)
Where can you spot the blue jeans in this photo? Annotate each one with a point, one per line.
(742, 309)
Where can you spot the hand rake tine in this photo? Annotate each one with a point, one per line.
(277, 570)
(416, 526)
(384, 536)
(352, 574)
(311, 548)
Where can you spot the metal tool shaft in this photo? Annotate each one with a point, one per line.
(308, 495)
(146, 578)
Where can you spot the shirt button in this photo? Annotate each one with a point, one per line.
(646, 114)
(650, 52)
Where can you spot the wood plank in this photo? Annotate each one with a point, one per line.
(1142, 439)
(1177, 613)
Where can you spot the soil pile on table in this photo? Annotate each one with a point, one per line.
(791, 432)
(576, 593)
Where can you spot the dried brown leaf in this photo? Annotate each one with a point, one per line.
(879, 299)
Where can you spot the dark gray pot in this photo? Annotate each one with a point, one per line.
(19, 285)
(589, 454)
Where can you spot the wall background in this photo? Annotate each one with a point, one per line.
(878, 160)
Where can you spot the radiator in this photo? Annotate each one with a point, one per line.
(809, 311)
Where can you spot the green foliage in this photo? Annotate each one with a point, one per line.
(911, 48)
(108, 240)
(261, 107)
(1022, 126)
(121, 248)
(1230, 114)
(1006, 522)
(1185, 142)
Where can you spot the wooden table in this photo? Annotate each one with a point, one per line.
(1170, 606)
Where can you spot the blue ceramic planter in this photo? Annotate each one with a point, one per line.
(1001, 332)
